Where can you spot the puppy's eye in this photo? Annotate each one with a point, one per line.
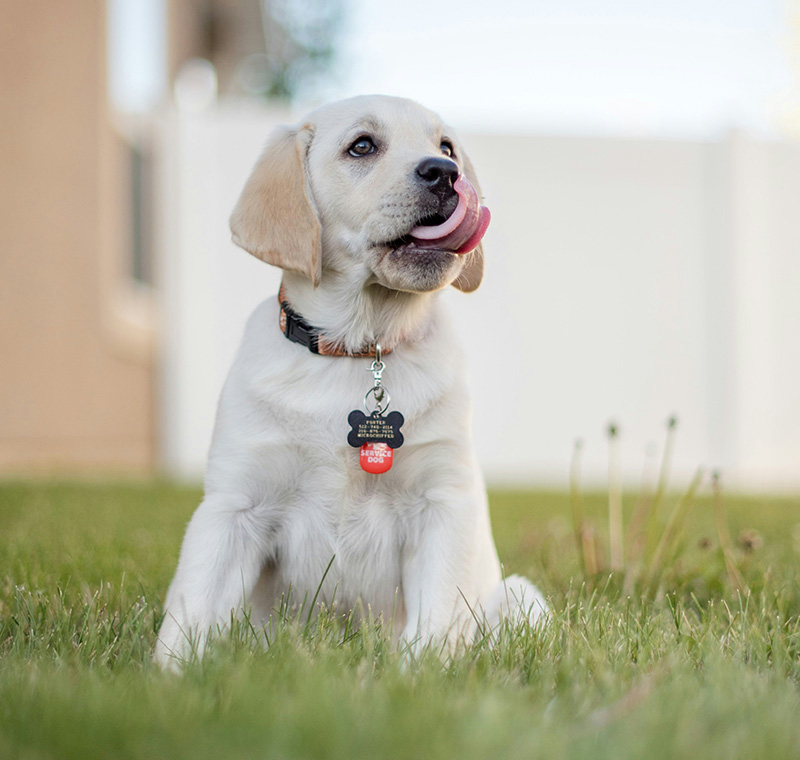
(446, 148)
(362, 147)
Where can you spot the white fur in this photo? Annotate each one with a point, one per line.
(284, 491)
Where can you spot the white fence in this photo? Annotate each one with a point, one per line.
(626, 280)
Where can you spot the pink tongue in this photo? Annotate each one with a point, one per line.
(464, 228)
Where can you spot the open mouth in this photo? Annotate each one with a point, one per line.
(462, 231)
(434, 220)
(459, 233)
(407, 241)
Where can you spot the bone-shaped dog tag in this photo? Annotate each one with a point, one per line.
(375, 428)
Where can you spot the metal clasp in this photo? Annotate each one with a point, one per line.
(378, 392)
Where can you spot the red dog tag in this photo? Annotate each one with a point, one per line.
(376, 458)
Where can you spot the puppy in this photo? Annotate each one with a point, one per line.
(370, 206)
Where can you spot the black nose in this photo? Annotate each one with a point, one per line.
(438, 174)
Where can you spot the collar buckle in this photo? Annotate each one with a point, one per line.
(299, 331)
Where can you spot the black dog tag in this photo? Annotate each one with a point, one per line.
(375, 428)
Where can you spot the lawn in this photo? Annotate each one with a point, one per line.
(691, 667)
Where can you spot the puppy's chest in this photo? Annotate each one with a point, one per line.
(362, 535)
(348, 522)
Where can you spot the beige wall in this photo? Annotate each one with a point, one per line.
(76, 385)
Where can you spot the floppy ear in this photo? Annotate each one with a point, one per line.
(472, 273)
(275, 218)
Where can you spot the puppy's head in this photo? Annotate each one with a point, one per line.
(371, 184)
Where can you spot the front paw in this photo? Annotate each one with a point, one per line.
(176, 645)
(411, 643)
(414, 643)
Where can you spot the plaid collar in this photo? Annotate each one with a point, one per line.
(297, 330)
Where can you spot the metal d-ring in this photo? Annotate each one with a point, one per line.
(379, 393)
(377, 365)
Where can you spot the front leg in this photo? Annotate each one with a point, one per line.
(225, 546)
(437, 575)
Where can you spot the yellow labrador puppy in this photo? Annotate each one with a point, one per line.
(371, 208)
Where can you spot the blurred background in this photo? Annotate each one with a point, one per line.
(640, 161)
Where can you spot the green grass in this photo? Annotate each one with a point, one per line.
(696, 670)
